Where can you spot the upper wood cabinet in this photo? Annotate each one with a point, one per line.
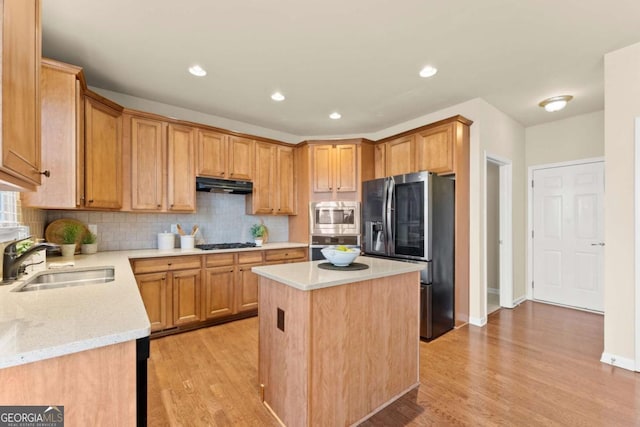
(334, 168)
(379, 156)
(148, 153)
(62, 138)
(400, 156)
(103, 155)
(435, 149)
(181, 185)
(224, 156)
(20, 91)
(273, 182)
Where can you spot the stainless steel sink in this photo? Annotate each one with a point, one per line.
(66, 278)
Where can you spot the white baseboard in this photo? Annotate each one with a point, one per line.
(478, 321)
(494, 291)
(519, 301)
(620, 362)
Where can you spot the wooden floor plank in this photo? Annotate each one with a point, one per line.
(535, 365)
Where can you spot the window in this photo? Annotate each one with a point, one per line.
(9, 209)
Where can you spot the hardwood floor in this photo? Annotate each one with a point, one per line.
(535, 365)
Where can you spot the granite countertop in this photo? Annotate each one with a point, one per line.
(307, 276)
(42, 324)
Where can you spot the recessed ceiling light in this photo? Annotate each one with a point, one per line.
(277, 96)
(197, 71)
(555, 103)
(428, 71)
(335, 115)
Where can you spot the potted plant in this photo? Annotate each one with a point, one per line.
(70, 234)
(89, 245)
(259, 233)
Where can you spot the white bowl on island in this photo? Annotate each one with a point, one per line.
(340, 258)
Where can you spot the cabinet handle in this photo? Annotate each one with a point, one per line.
(172, 205)
(164, 278)
(46, 173)
(169, 264)
(222, 173)
(231, 271)
(90, 201)
(231, 174)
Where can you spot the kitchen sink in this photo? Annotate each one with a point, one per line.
(67, 278)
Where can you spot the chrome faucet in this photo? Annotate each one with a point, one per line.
(11, 261)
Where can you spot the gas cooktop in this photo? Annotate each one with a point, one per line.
(211, 246)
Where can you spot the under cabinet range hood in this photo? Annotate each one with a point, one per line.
(214, 185)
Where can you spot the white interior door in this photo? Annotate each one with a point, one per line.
(568, 245)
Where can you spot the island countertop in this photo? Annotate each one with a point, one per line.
(307, 276)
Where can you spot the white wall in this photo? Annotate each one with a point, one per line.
(622, 106)
(578, 137)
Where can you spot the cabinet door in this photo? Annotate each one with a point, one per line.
(265, 193)
(285, 184)
(103, 156)
(62, 139)
(155, 290)
(400, 156)
(181, 183)
(379, 159)
(186, 297)
(345, 168)
(147, 164)
(20, 89)
(322, 168)
(435, 149)
(212, 154)
(246, 288)
(218, 295)
(240, 156)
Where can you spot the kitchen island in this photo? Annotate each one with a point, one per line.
(335, 347)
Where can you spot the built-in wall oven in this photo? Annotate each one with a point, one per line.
(333, 223)
(320, 242)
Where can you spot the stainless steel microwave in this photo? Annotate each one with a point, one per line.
(334, 218)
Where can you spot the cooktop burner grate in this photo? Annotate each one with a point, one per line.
(212, 246)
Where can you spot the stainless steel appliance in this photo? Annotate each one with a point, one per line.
(334, 218)
(411, 218)
(322, 241)
(215, 185)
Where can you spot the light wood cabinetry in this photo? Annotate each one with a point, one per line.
(218, 286)
(20, 91)
(186, 296)
(400, 156)
(62, 138)
(435, 149)
(170, 289)
(224, 156)
(148, 153)
(380, 168)
(247, 281)
(181, 187)
(279, 256)
(273, 181)
(334, 169)
(103, 155)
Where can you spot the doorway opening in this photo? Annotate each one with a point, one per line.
(498, 233)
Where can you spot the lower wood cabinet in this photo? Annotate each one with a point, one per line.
(185, 292)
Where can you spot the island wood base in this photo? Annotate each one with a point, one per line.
(345, 353)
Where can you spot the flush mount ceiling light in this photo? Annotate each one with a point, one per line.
(197, 71)
(428, 71)
(555, 103)
(335, 115)
(277, 96)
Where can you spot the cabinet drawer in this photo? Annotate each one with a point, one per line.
(285, 254)
(219, 260)
(152, 265)
(253, 257)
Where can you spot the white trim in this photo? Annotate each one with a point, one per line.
(519, 301)
(493, 291)
(530, 171)
(478, 321)
(620, 362)
(506, 229)
(637, 239)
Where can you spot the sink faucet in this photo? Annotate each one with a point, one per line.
(11, 261)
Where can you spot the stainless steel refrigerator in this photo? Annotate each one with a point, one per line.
(411, 218)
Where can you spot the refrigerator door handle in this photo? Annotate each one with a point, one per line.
(388, 217)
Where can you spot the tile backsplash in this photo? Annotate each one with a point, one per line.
(221, 218)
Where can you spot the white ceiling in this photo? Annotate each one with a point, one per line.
(358, 57)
